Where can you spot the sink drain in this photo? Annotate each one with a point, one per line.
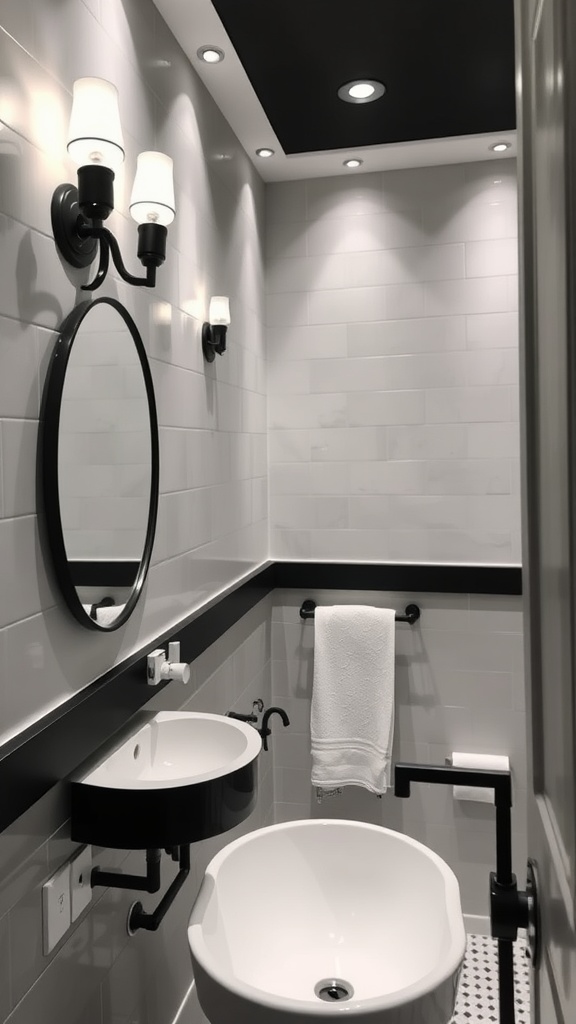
(333, 990)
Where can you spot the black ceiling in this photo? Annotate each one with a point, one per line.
(448, 67)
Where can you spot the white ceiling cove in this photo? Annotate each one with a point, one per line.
(195, 23)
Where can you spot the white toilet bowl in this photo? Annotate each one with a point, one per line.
(323, 920)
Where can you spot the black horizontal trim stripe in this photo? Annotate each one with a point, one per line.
(98, 573)
(46, 753)
(407, 578)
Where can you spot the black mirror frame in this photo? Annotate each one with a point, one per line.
(48, 461)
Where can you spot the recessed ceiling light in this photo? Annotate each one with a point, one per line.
(264, 152)
(355, 162)
(210, 54)
(500, 147)
(363, 90)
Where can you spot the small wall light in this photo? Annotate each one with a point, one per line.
(214, 331)
(95, 143)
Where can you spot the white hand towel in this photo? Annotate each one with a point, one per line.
(352, 715)
(106, 615)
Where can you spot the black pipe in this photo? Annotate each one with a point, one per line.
(504, 875)
(150, 882)
(500, 782)
(508, 907)
(506, 981)
(139, 918)
(407, 772)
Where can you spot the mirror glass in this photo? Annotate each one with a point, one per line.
(100, 462)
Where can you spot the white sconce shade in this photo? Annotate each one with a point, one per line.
(219, 310)
(95, 132)
(152, 199)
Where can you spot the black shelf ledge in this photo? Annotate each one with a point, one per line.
(47, 753)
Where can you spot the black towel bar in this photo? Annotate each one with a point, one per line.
(411, 612)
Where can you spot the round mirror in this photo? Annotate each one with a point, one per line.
(100, 463)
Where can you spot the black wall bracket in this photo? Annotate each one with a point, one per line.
(150, 882)
(510, 909)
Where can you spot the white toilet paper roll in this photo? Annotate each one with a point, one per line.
(492, 762)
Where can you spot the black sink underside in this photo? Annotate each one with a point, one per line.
(141, 819)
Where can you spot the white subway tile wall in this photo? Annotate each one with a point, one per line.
(459, 685)
(393, 370)
(212, 523)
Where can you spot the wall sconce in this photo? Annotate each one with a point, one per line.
(214, 331)
(95, 142)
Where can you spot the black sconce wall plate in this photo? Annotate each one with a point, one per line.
(79, 251)
(213, 340)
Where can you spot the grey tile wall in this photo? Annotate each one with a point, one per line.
(458, 686)
(98, 975)
(393, 372)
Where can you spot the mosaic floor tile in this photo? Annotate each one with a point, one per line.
(477, 1001)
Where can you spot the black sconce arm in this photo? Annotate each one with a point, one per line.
(77, 223)
(109, 244)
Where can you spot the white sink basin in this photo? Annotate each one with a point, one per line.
(178, 777)
(367, 913)
(177, 748)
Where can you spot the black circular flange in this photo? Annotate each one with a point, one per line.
(131, 921)
(65, 213)
(207, 344)
(412, 613)
(307, 610)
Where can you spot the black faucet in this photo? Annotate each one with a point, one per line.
(265, 731)
(242, 718)
(509, 909)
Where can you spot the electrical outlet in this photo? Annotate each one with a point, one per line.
(56, 918)
(80, 887)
